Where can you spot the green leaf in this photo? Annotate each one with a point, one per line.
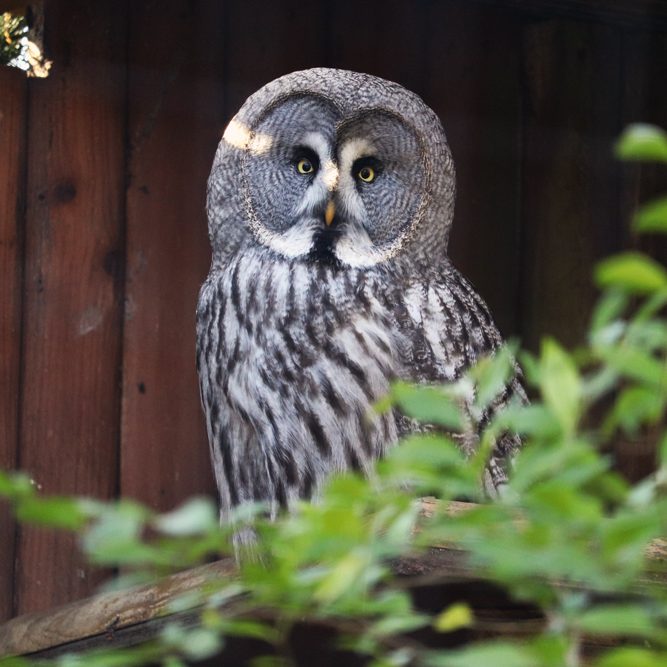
(15, 485)
(54, 511)
(632, 657)
(115, 537)
(173, 661)
(648, 334)
(529, 420)
(550, 650)
(642, 317)
(642, 142)
(497, 654)
(635, 363)
(427, 404)
(560, 503)
(195, 644)
(454, 617)
(431, 465)
(197, 515)
(250, 628)
(394, 625)
(652, 217)
(200, 643)
(425, 453)
(599, 383)
(610, 307)
(636, 406)
(560, 384)
(119, 657)
(342, 577)
(631, 272)
(14, 662)
(398, 658)
(617, 620)
(624, 537)
(491, 375)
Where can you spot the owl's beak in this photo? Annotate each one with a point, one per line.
(329, 213)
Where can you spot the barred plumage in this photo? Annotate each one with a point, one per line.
(306, 318)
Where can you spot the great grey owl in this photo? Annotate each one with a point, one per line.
(329, 202)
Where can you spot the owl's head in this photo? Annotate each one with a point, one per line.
(333, 166)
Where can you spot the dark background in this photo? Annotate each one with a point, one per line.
(103, 241)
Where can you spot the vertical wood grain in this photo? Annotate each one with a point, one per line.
(385, 38)
(570, 177)
(175, 122)
(73, 240)
(265, 40)
(473, 71)
(12, 193)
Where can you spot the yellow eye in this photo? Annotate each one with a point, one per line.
(367, 174)
(305, 166)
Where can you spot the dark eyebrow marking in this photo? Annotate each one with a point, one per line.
(367, 161)
(301, 150)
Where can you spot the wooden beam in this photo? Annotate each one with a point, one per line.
(103, 613)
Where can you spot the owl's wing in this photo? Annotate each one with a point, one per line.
(453, 331)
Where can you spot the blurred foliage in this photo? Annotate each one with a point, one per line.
(20, 47)
(13, 30)
(568, 534)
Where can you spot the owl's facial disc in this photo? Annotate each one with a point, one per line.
(326, 188)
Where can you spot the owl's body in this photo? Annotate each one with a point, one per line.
(329, 281)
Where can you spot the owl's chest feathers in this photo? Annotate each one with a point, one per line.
(302, 312)
(292, 356)
(303, 352)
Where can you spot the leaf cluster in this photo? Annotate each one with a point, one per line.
(13, 28)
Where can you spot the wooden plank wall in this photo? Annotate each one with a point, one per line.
(574, 221)
(12, 166)
(72, 300)
(174, 108)
(103, 238)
